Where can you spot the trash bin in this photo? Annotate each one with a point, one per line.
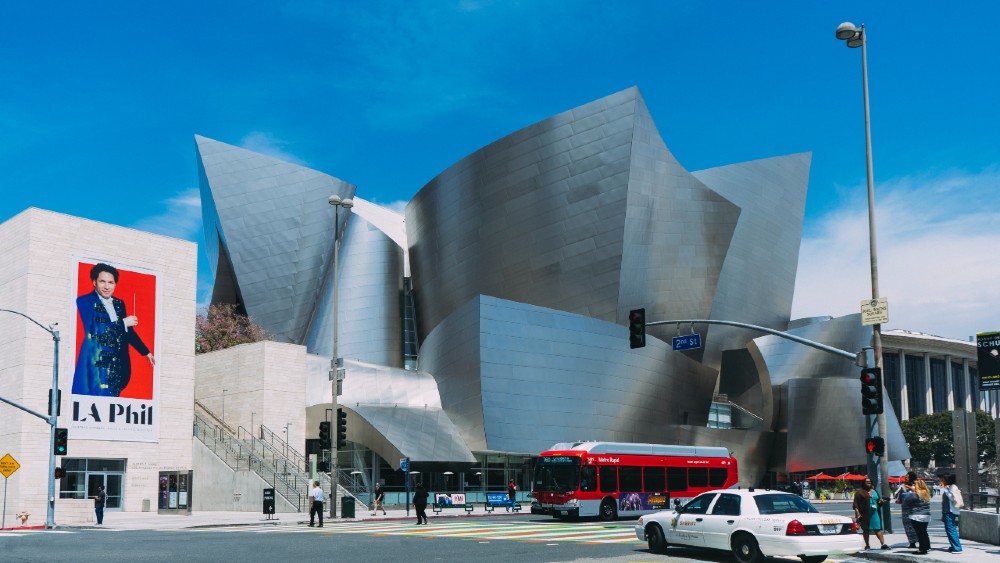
(347, 507)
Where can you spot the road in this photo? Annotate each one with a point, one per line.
(524, 539)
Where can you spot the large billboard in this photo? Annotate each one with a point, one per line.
(988, 359)
(115, 388)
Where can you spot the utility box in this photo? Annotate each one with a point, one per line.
(145, 505)
(347, 507)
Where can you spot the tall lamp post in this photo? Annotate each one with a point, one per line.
(52, 419)
(337, 203)
(857, 37)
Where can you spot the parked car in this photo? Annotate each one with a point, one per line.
(753, 524)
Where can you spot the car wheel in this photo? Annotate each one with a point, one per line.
(608, 511)
(654, 538)
(812, 558)
(745, 549)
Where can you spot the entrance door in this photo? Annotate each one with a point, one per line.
(112, 483)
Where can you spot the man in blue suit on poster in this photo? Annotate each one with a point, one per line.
(103, 367)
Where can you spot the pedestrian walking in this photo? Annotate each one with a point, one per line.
(866, 510)
(951, 502)
(378, 500)
(420, 503)
(917, 506)
(905, 486)
(100, 499)
(511, 495)
(316, 506)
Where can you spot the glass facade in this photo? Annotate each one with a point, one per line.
(83, 476)
(915, 388)
(892, 382)
(939, 385)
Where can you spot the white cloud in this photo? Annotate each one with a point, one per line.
(181, 218)
(936, 239)
(267, 144)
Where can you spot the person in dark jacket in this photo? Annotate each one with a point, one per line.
(420, 503)
(378, 500)
(907, 485)
(917, 505)
(866, 510)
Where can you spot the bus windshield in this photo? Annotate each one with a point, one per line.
(557, 474)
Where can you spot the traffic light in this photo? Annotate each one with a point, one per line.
(637, 328)
(59, 447)
(875, 446)
(871, 391)
(60, 472)
(324, 435)
(341, 429)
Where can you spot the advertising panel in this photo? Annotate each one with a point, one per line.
(115, 387)
(988, 359)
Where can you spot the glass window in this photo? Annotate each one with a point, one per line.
(717, 476)
(588, 478)
(630, 479)
(677, 479)
(652, 480)
(699, 504)
(782, 504)
(727, 505)
(698, 477)
(609, 479)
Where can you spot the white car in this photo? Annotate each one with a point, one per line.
(753, 524)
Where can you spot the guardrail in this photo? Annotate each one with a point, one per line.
(983, 500)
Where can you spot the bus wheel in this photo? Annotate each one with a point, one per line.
(608, 511)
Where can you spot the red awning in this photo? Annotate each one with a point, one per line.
(819, 476)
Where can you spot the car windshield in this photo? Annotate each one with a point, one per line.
(557, 475)
(781, 503)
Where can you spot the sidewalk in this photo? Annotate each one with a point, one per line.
(971, 552)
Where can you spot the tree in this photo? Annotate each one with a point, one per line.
(930, 436)
(223, 327)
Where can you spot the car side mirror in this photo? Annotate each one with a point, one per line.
(677, 505)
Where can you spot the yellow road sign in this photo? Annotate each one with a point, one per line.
(8, 465)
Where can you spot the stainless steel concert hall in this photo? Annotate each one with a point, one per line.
(490, 316)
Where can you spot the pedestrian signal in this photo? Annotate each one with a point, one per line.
(875, 446)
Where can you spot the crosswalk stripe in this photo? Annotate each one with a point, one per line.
(527, 532)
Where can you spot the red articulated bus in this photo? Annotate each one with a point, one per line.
(616, 479)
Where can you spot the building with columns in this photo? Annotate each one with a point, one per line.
(927, 374)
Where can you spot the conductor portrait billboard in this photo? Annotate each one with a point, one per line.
(114, 343)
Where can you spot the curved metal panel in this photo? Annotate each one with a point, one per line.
(368, 301)
(519, 378)
(758, 280)
(276, 227)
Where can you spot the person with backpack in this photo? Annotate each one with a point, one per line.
(511, 495)
(951, 502)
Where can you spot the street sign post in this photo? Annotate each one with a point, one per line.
(8, 465)
(687, 342)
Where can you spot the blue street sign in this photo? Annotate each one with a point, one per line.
(404, 464)
(687, 342)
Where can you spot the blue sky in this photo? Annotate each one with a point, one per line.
(99, 103)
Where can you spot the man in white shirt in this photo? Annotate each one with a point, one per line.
(316, 506)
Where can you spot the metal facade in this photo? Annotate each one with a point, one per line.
(525, 258)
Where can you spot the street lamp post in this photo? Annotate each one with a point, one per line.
(857, 37)
(337, 203)
(52, 419)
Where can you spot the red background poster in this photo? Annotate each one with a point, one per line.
(138, 291)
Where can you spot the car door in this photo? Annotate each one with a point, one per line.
(687, 528)
(721, 520)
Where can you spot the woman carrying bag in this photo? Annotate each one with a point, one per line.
(866, 510)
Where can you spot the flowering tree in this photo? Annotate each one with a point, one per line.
(223, 327)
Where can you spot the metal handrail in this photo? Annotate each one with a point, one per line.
(987, 501)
